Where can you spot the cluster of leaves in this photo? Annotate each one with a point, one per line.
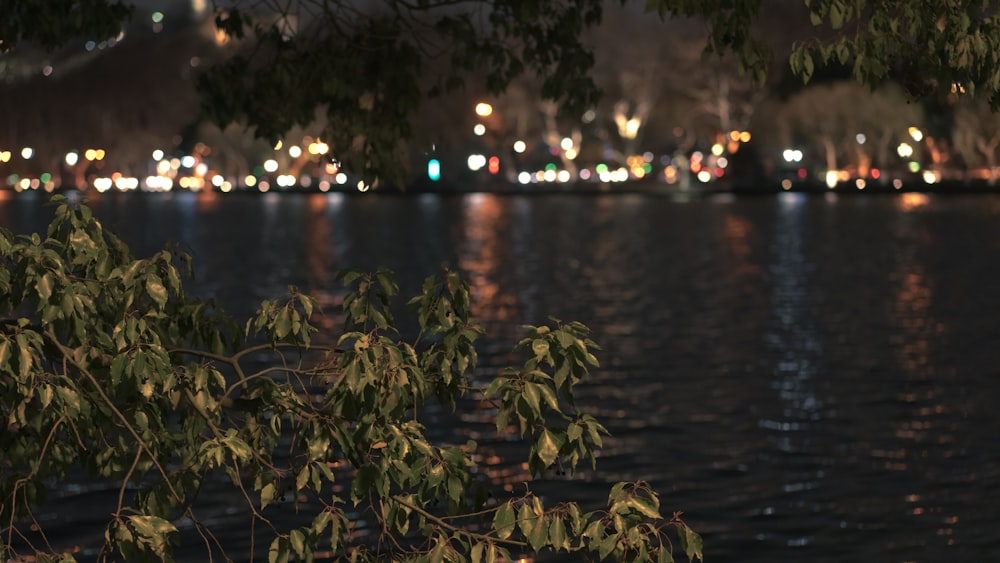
(50, 24)
(931, 45)
(367, 73)
(106, 365)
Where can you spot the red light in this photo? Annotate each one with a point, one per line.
(802, 173)
(876, 173)
(494, 165)
(719, 172)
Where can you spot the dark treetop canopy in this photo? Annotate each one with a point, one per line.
(363, 68)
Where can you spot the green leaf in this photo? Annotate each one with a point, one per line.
(606, 546)
(691, 543)
(156, 290)
(538, 535)
(550, 397)
(646, 506)
(807, 66)
(24, 359)
(836, 16)
(278, 552)
(45, 396)
(44, 286)
(283, 323)
(526, 519)
(455, 488)
(531, 396)
(504, 519)
(70, 399)
(547, 447)
(540, 347)
(266, 495)
(574, 432)
(298, 542)
(557, 535)
(302, 479)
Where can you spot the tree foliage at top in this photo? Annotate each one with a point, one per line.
(367, 66)
(367, 69)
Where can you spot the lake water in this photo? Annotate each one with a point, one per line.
(808, 378)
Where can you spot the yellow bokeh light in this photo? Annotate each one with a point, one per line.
(484, 109)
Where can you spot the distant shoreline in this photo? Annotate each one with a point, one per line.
(945, 187)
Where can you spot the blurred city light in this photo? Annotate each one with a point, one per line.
(479, 129)
(434, 169)
(831, 179)
(916, 134)
(476, 162)
(72, 157)
(484, 109)
(631, 128)
(27, 153)
(792, 155)
(520, 146)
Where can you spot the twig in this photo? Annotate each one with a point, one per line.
(456, 529)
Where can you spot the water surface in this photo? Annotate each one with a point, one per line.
(808, 378)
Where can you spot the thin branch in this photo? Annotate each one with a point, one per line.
(128, 475)
(456, 529)
(68, 354)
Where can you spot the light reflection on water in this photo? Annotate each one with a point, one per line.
(808, 378)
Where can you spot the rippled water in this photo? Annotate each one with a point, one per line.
(808, 378)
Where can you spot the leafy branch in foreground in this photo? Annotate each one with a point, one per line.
(107, 366)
